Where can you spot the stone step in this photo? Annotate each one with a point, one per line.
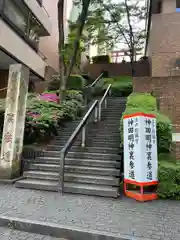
(90, 136)
(107, 127)
(45, 167)
(112, 104)
(79, 162)
(38, 184)
(90, 148)
(92, 179)
(113, 119)
(93, 133)
(71, 177)
(42, 175)
(76, 169)
(85, 189)
(94, 136)
(104, 143)
(92, 170)
(73, 154)
(95, 190)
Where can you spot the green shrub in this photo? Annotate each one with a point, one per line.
(121, 89)
(75, 82)
(99, 88)
(88, 79)
(169, 180)
(142, 100)
(164, 133)
(121, 86)
(147, 104)
(101, 59)
(74, 95)
(44, 117)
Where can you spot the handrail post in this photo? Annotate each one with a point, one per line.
(99, 115)
(61, 177)
(64, 151)
(96, 114)
(105, 103)
(83, 141)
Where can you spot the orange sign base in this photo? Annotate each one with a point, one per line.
(140, 195)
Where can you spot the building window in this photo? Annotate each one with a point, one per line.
(19, 17)
(177, 5)
(16, 16)
(34, 30)
(159, 9)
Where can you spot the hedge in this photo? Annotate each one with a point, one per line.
(121, 86)
(147, 104)
(101, 59)
(144, 100)
(169, 180)
(75, 82)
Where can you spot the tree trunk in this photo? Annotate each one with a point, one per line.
(80, 23)
(131, 36)
(62, 86)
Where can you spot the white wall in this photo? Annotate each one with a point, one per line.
(49, 45)
(169, 6)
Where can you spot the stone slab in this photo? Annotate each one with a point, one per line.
(59, 231)
(156, 220)
(12, 234)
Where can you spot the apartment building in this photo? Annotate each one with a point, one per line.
(22, 24)
(49, 45)
(163, 31)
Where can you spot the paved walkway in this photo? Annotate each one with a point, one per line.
(9, 234)
(152, 220)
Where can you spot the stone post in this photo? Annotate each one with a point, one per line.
(14, 121)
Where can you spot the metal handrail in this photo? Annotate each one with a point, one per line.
(95, 81)
(87, 89)
(103, 99)
(79, 128)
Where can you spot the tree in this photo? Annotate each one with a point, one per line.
(61, 47)
(80, 26)
(116, 23)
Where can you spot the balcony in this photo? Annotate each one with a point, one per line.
(13, 44)
(39, 11)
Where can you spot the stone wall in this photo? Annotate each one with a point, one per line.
(167, 92)
(118, 69)
(164, 42)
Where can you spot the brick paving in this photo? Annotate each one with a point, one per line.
(9, 234)
(158, 220)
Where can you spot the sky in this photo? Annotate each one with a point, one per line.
(140, 25)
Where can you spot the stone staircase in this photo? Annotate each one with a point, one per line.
(93, 170)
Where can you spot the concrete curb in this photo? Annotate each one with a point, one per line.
(60, 231)
(10, 181)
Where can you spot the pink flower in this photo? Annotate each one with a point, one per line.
(50, 97)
